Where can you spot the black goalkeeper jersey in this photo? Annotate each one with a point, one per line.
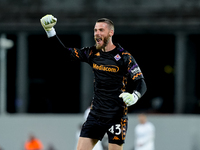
(111, 70)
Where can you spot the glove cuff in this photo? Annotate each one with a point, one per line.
(136, 96)
(51, 32)
(137, 93)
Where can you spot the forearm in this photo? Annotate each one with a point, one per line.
(55, 40)
(140, 86)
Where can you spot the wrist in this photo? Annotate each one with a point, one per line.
(51, 32)
(137, 94)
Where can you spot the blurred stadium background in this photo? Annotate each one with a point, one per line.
(37, 82)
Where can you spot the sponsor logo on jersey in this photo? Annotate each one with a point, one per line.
(136, 70)
(108, 68)
(117, 57)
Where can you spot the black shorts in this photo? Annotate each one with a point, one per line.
(95, 127)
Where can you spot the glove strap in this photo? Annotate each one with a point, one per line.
(51, 33)
(138, 94)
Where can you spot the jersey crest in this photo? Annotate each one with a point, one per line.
(117, 57)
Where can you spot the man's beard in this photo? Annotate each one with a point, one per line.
(105, 43)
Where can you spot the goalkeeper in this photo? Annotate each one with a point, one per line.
(112, 65)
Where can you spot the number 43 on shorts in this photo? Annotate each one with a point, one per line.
(115, 129)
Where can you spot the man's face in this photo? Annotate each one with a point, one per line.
(142, 118)
(101, 35)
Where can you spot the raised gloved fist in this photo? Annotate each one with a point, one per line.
(128, 98)
(48, 22)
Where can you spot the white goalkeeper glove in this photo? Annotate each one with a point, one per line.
(48, 22)
(130, 99)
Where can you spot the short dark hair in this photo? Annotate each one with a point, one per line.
(108, 21)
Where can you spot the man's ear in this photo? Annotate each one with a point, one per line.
(111, 33)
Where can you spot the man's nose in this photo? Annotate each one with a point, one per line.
(96, 33)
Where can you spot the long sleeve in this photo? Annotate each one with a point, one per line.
(74, 54)
(140, 86)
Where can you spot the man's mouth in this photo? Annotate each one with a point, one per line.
(98, 40)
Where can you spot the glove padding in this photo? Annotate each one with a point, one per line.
(128, 98)
(48, 22)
